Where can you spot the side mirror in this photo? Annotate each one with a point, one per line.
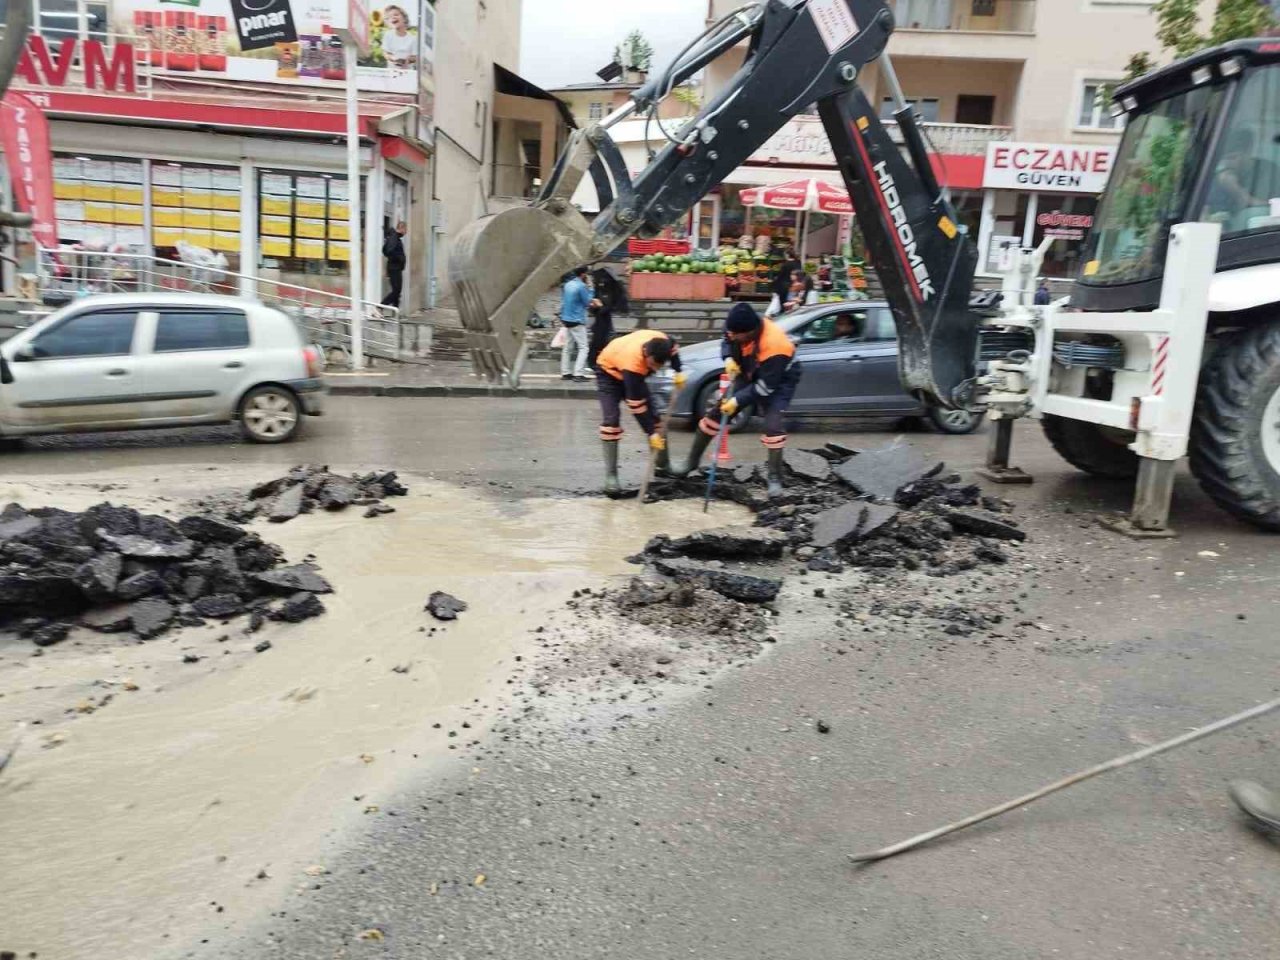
(6, 375)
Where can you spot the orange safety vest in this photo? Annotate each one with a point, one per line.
(626, 354)
(772, 342)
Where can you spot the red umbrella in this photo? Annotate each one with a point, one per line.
(806, 195)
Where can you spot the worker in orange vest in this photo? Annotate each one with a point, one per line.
(622, 370)
(760, 359)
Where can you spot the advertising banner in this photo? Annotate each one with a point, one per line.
(292, 42)
(25, 137)
(1054, 167)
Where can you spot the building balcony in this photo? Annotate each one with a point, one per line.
(966, 16)
(955, 139)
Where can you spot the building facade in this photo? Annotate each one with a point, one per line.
(1012, 95)
(171, 124)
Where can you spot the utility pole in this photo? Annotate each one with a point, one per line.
(17, 26)
(356, 263)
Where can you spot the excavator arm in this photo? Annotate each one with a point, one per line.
(800, 53)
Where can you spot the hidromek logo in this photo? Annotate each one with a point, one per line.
(914, 261)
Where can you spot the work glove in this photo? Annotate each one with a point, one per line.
(729, 406)
(657, 442)
(680, 380)
(732, 368)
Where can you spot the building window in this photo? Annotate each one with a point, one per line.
(58, 19)
(595, 111)
(926, 108)
(1095, 107)
(302, 224)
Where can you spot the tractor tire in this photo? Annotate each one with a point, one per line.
(1094, 449)
(1235, 436)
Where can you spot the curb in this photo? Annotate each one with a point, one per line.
(441, 390)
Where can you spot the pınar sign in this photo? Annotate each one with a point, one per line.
(263, 23)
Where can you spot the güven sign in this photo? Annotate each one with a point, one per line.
(1053, 167)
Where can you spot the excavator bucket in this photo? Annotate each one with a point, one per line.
(499, 267)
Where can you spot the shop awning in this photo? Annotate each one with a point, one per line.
(244, 113)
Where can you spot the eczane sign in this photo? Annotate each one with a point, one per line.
(1051, 167)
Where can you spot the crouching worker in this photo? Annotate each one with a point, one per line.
(761, 361)
(621, 370)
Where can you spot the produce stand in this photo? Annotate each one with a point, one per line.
(666, 270)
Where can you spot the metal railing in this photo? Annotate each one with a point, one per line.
(966, 139)
(966, 16)
(326, 316)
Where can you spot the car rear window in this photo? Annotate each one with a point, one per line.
(201, 330)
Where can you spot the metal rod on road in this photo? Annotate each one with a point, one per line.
(355, 242)
(711, 477)
(1072, 780)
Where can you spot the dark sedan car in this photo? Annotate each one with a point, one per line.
(853, 375)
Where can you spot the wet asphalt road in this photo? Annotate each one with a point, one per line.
(717, 827)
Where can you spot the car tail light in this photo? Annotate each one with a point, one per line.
(315, 363)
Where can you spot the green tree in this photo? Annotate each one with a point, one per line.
(635, 52)
(1181, 33)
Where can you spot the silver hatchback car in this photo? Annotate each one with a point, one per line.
(133, 361)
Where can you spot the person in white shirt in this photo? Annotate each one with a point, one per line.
(399, 46)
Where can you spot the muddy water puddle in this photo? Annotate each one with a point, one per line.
(213, 784)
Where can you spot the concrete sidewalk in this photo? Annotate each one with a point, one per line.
(451, 378)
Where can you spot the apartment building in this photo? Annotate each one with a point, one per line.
(168, 125)
(595, 100)
(1009, 92)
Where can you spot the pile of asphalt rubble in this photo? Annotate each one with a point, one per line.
(886, 511)
(115, 570)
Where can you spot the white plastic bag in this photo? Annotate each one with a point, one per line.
(560, 339)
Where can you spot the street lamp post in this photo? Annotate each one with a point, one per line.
(349, 52)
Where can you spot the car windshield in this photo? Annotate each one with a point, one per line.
(1155, 172)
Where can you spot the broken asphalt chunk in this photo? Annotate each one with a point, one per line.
(218, 606)
(736, 586)
(880, 473)
(850, 522)
(301, 606)
(802, 463)
(723, 542)
(286, 505)
(98, 577)
(984, 526)
(300, 576)
(146, 548)
(442, 606)
(210, 529)
(151, 617)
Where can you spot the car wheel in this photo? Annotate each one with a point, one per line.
(955, 422)
(705, 395)
(270, 414)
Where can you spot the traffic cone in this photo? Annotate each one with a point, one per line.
(722, 455)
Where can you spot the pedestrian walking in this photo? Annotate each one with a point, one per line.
(761, 361)
(393, 251)
(612, 298)
(1043, 296)
(782, 282)
(574, 304)
(621, 374)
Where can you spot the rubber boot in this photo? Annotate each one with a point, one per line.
(700, 443)
(611, 484)
(773, 471)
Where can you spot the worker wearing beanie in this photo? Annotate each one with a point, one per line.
(761, 360)
(621, 370)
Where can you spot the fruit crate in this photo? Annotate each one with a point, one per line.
(676, 286)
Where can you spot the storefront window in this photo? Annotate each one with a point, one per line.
(302, 226)
(100, 202)
(1067, 219)
(196, 206)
